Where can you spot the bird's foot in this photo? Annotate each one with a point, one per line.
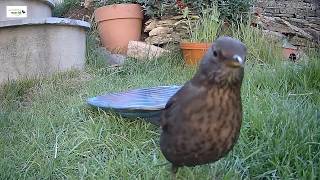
(174, 170)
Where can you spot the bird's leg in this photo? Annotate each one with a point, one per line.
(174, 170)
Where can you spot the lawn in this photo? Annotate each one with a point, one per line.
(47, 131)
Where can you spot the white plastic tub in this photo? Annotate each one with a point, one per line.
(33, 47)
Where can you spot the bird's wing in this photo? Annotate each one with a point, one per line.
(171, 101)
(187, 92)
(177, 95)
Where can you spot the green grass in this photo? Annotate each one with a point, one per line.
(47, 131)
(261, 48)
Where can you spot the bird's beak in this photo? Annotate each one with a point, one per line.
(235, 62)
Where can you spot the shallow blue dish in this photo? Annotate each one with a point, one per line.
(145, 103)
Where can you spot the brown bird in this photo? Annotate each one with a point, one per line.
(201, 122)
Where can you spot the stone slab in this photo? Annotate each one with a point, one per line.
(142, 50)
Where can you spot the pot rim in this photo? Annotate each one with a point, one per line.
(44, 21)
(194, 45)
(290, 48)
(105, 13)
(118, 5)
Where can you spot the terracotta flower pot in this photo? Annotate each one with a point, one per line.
(193, 52)
(290, 53)
(118, 24)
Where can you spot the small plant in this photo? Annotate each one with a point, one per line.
(206, 28)
(203, 31)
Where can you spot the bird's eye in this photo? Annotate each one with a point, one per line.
(215, 53)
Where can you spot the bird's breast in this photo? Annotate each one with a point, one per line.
(213, 127)
(205, 129)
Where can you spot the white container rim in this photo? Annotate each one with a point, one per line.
(42, 21)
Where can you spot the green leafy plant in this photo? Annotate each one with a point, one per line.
(234, 10)
(206, 28)
(152, 8)
(199, 5)
(230, 10)
(64, 7)
(157, 8)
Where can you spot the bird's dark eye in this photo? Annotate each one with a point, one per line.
(215, 53)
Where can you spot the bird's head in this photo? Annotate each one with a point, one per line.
(224, 61)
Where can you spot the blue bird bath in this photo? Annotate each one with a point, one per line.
(146, 103)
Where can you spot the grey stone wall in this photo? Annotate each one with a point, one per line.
(304, 14)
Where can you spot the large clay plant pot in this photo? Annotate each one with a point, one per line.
(118, 24)
(193, 52)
